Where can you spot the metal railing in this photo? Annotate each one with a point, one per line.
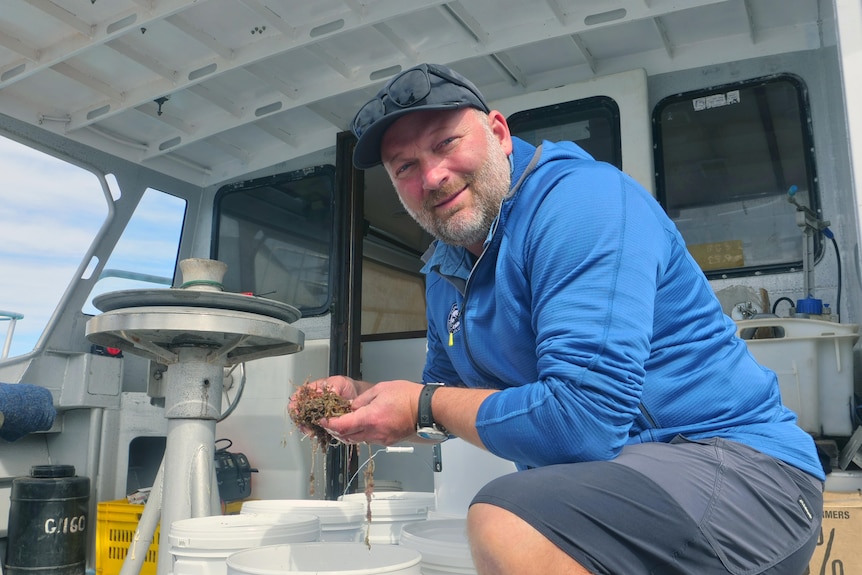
(12, 318)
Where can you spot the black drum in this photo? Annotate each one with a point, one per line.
(48, 522)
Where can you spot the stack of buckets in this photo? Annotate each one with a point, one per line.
(402, 518)
(410, 533)
(285, 537)
(341, 548)
(391, 511)
(400, 538)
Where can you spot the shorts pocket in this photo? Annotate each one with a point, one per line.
(758, 515)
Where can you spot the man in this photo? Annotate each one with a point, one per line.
(576, 337)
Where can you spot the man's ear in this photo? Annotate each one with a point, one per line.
(500, 128)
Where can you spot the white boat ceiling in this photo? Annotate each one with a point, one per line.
(209, 90)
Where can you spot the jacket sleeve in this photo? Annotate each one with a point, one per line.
(591, 262)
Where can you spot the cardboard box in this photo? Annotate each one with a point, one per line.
(838, 549)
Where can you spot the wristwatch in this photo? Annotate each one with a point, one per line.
(426, 427)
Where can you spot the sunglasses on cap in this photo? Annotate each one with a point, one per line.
(409, 88)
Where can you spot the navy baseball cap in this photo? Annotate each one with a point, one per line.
(423, 87)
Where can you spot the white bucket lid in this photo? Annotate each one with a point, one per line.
(242, 531)
(396, 505)
(325, 559)
(442, 543)
(333, 514)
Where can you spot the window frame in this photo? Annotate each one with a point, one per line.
(326, 171)
(808, 154)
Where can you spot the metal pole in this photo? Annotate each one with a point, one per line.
(193, 393)
(140, 544)
(807, 262)
(8, 343)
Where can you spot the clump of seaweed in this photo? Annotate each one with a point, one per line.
(311, 404)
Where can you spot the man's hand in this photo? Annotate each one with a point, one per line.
(384, 414)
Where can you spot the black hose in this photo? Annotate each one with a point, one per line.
(838, 296)
(781, 299)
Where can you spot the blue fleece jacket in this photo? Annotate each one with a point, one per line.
(588, 312)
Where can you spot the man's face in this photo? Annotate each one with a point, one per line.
(451, 171)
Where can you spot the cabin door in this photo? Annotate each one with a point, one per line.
(378, 312)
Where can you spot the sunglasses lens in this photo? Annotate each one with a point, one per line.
(372, 111)
(410, 87)
(407, 89)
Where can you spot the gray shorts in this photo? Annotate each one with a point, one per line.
(683, 508)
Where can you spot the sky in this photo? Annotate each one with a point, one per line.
(50, 212)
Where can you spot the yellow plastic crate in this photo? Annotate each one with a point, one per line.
(116, 523)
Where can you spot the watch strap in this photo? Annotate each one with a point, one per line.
(426, 417)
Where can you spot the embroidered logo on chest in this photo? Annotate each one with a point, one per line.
(453, 322)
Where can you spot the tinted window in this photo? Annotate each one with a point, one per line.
(592, 123)
(726, 158)
(275, 235)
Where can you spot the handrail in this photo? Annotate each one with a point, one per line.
(12, 317)
(130, 275)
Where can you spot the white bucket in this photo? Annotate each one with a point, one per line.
(443, 545)
(466, 469)
(339, 520)
(391, 510)
(324, 559)
(201, 545)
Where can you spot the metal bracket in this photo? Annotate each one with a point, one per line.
(852, 451)
(438, 457)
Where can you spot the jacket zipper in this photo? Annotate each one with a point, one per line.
(481, 371)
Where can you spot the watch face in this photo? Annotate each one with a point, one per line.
(431, 433)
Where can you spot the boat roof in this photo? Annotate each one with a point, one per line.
(209, 90)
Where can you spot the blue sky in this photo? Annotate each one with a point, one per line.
(50, 211)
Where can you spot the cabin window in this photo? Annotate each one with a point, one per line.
(145, 256)
(275, 235)
(726, 159)
(51, 211)
(592, 123)
(393, 300)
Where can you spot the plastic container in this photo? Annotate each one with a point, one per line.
(325, 559)
(442, 544)
(47, 531)
(813, 360)
(116, 523)
(391, 510)
(339, 520)
(201, 545)
(844, 481)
